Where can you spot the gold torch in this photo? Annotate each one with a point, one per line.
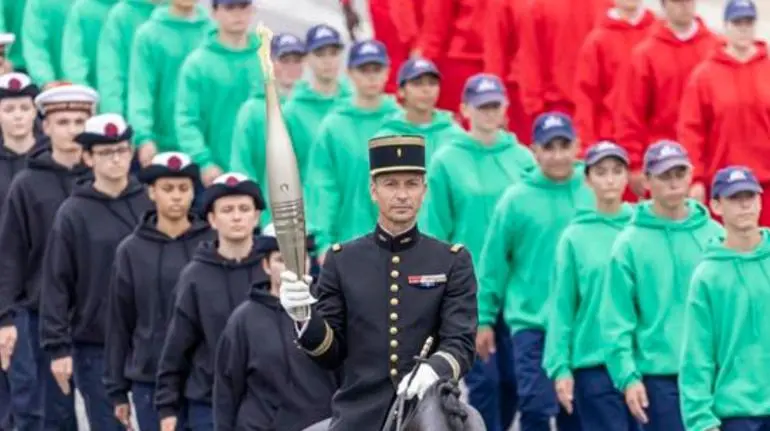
(286, 204)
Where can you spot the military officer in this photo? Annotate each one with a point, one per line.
(380, 297)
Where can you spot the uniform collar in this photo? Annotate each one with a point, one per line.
(396, 243)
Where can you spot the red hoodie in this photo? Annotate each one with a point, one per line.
(724, 117)
(606, 50)
(650, 88)
(454, 30)
(552, 33)
(501, 38)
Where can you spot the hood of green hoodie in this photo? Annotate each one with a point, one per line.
(399, 124)
(348, 107)
(716, 249)
(163, 14)
(503, 141)
(304, 91)
(212, 43)
(142, 4)
(592, 216)
(536, 178)
(644, 216)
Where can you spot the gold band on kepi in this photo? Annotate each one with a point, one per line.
(396, 153)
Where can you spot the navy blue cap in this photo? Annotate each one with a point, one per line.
(601, 150)
(321, 36)
(415, 68)
(732, 180)
(552, 125)
(285, 44)
(665, 155)
(230, 2)
(366, 52)
(482, 89)
(740, 9)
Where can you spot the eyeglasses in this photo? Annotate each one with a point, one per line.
(107, 153)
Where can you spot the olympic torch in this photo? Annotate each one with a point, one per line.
(286, 204)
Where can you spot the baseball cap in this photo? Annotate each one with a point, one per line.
(739, 9)
(366, 52)
(732, 180)
(552, 125)
(230, 2)
(321, 36)
(415, 68)
(285, 44)
(601, 150)
(482, 89)
(665, 155)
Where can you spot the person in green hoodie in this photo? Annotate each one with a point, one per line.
(465, 181)
(723, 377)
(215, 80)
(160, 47)
(80, 40)
(12, 12)
(41, 36)
(114, 52)
(517, 259)
(419, 84)
(340, 205)
(574, 348)
(644, 295)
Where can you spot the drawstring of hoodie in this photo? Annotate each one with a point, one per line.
(162, 311)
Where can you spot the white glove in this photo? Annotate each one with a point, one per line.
(424, 379)
(295, 296)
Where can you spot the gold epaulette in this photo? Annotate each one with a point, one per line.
(336, 247)
(456, 248)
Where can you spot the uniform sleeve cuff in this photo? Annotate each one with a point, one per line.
(6, 319)
(445, 365)
(317, 337)
(119, 398)
(167, 412)
(58, 352)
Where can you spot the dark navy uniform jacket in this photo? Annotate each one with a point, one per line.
(145, 272)
(263, 382)
(379, 299)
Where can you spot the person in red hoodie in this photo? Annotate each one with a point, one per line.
(606, 50)
(551, 36)
(650, 87)
(453, 39)
(384, 30)
(501, 46)
(724, 117)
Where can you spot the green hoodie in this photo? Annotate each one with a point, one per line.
(304, 111)
(642, 313)
(114, 52)
(517, 258)
(213, 83)
(81, 38)
(161, 46)
(12, 12)
(41, 36)
(724, 364)
(574, 336)
(436, 133)
(340, 207)
(465, 181)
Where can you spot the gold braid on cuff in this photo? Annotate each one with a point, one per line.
(452, 363)
(325, 344)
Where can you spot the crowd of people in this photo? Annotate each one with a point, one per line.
(567, 197)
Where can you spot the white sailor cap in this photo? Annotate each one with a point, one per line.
(67, 97)
(17, 84)
(104, 129)
(171, 164)
(7, 39)
(229, 184)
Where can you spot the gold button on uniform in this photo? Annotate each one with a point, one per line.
(393, 301)
(393, 330)
(393, 372)
(393, 316)
(394, 288)
(393, 358)
(393, 343)
(395, 259)
(394, 273)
